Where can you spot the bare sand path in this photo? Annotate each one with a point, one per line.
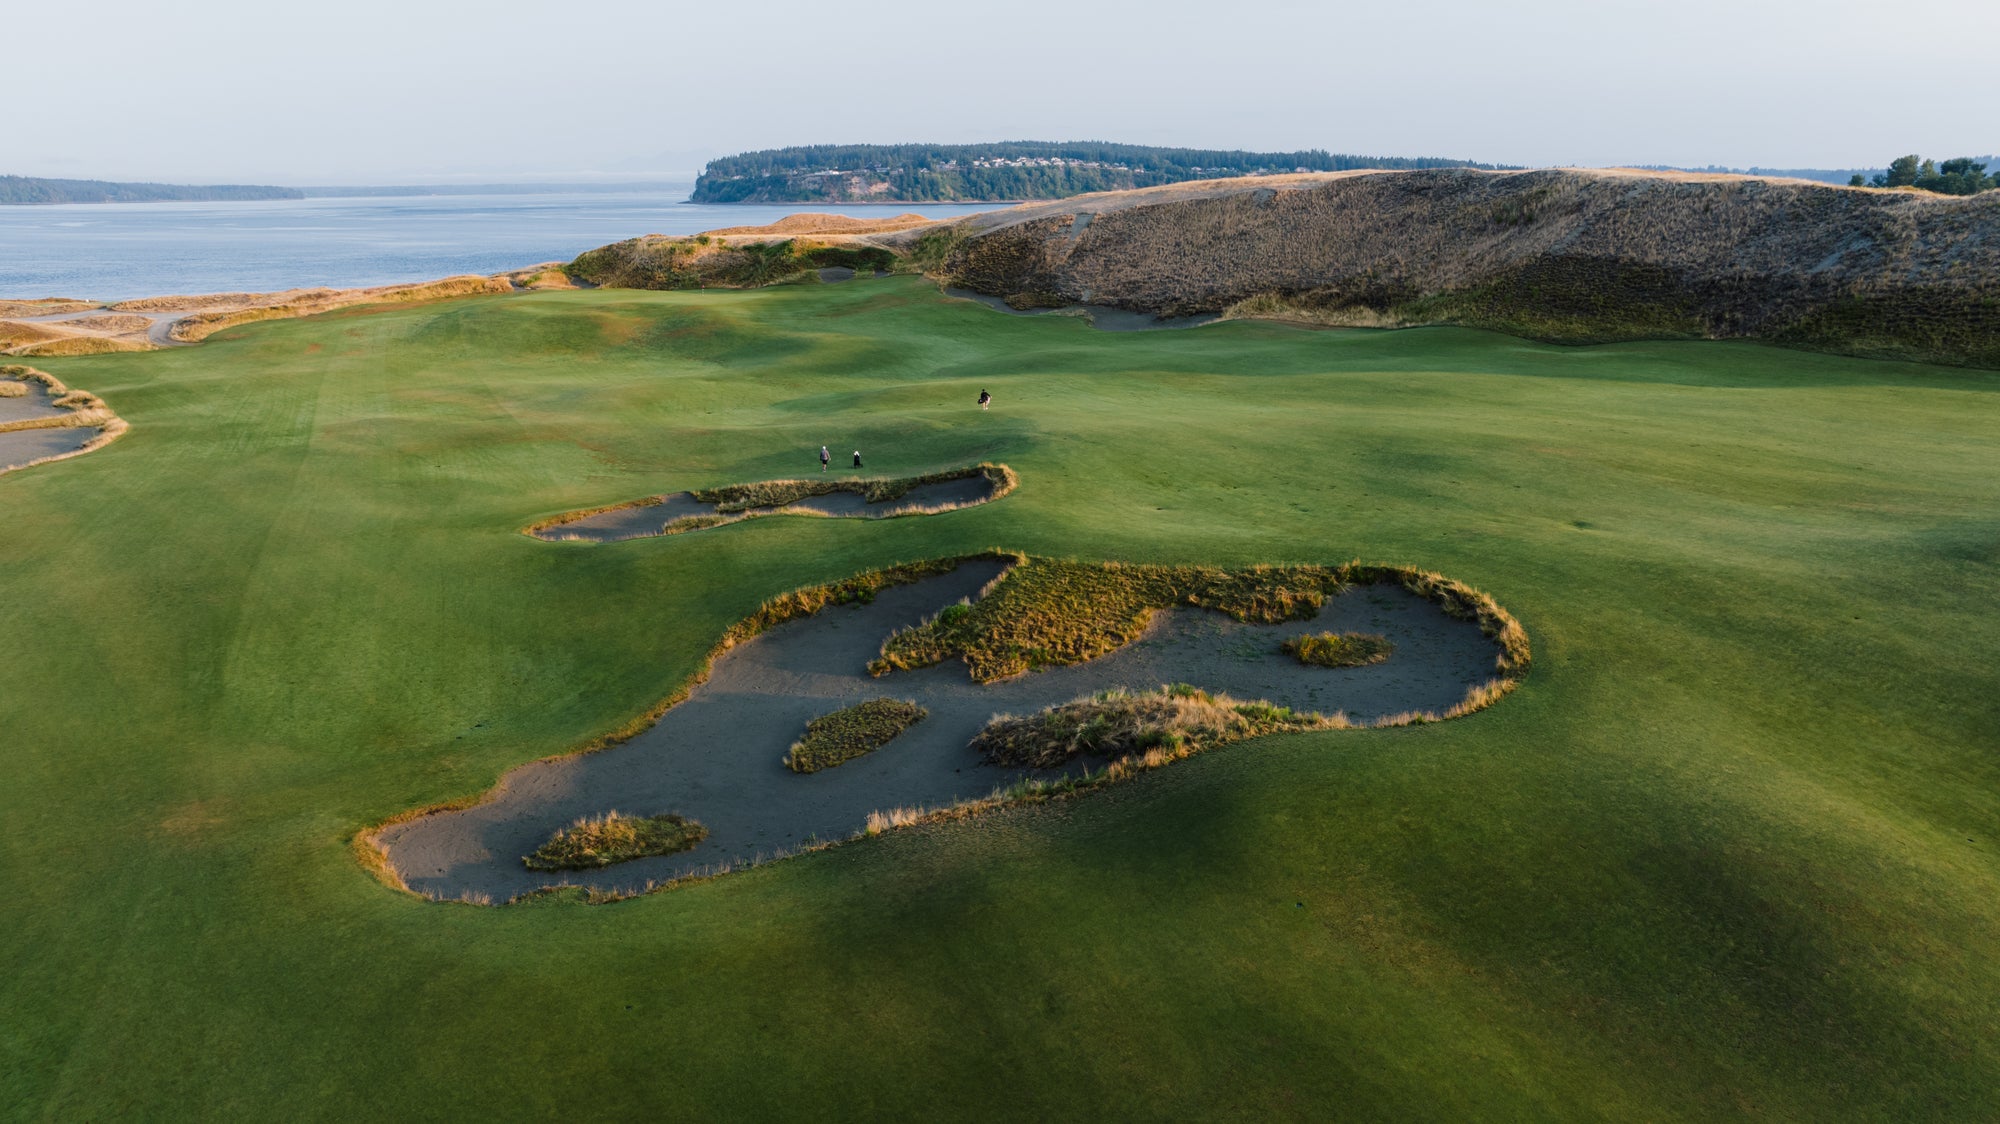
(653, 518)
(716, 756)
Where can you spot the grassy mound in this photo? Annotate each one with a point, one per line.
(1339, 649)
(1569, 255)
(1177, 720)
(614, 838)
(846, 734)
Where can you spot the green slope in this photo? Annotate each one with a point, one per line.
(1730, 851)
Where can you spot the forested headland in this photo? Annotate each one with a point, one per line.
(31, 189)
(1008, 170)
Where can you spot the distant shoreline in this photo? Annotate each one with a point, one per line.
(170, 193)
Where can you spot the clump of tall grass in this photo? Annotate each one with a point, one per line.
(598, 841)
(770, 493)
(880, 821)
(1339, 649)
(78, 400)
(1170, 723)
(704, 261)
(850, 732)
(10, 388)
(1050, 613)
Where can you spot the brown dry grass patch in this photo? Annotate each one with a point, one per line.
(45, 306)
(817, 223)
(1176, 720)
(241, 308)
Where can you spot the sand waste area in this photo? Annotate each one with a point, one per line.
(716, 756)
(42, 420)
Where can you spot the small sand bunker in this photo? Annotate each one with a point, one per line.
(869, 498)
(717, 757)
(41, 420)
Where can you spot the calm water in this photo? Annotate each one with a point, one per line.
(117, 251)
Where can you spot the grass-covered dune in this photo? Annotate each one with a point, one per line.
(1575, 256)
(1730, 851)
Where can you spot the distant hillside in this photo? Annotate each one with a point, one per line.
(1009, 170)
(1556, 255)
(27, 189)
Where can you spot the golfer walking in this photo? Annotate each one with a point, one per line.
(857, 458)
(985, 399)
(825, 458)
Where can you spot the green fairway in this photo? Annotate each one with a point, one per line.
(1733, 849)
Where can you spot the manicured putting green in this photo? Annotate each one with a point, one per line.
(1729, 851)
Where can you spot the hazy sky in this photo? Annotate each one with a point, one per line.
(367, 91)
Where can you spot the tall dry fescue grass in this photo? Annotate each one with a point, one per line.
(1575, 256)
(1170, 722)
(44, 306)
(198, 326)
(1052, 613)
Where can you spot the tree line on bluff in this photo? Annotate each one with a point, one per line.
(1963, 176)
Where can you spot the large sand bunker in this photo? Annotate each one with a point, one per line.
(716, 756)
(846, 498)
